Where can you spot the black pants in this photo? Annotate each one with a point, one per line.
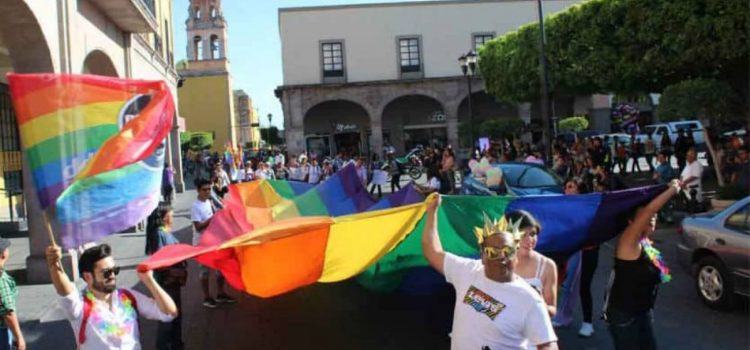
(380, 190)
(650, 161)
(635, 164)
(169, 334)
(166, 191)
(630, 330)
(589, 262)
(395, 182)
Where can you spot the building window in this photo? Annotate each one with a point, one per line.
(410, 58)
(333, 60)
(157, 44)
(215, 52)
(198, 48)
(213, 12)
(481, 39)
(197, 13)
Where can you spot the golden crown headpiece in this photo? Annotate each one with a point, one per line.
(495, 227)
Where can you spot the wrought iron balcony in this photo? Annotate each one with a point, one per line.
(134, 16)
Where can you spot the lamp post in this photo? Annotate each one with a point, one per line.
(268, 133)
(546, 125)
(468, 63)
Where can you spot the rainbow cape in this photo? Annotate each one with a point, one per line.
(268, 242)
(95, 148)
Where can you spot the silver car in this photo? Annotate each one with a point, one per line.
(715, 247)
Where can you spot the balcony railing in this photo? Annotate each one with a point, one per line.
(134, 16)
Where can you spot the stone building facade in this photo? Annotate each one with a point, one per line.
(117, 38)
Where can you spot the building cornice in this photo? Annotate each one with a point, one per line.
(395, 4)
(371, 83)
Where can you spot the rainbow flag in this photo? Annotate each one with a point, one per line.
(95, 148)
(267, 244)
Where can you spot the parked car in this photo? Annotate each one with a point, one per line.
(672, 129)
(519, 179)
(715, 248)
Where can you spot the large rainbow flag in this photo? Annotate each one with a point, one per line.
(95, 148)
(268, 244)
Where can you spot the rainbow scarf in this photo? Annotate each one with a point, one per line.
(123, 322)
(95, 148)
(654, 255)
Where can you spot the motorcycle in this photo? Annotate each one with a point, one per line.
(411, 163)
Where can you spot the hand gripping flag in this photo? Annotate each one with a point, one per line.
(95, 148)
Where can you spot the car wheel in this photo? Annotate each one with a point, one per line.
(714, 284)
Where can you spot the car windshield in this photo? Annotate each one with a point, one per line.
(521, 175)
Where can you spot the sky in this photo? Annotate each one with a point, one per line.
(254, 46)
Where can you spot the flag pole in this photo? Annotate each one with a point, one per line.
(50, 235)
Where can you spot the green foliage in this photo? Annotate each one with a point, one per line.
(624, 46)
(573, 124)
(274, 135)
(181, 65)
(697, 99)
(196, 141)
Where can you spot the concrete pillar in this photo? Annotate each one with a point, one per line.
(295, 140)
(376, 139)
(175, 156)
(37, 271)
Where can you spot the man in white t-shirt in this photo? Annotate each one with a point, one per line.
(495, 309)
(102, 315)
(691, 175)
(201, 214)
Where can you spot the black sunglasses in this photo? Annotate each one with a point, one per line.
(115, 270)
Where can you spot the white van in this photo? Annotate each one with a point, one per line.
(672, 129)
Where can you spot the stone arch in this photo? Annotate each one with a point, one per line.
(214, 47)
(485, 107)
(98, 62)
(21, 35)
(336, 125)
(198, 47)
(412, 119)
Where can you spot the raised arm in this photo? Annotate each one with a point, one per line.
(628, 244)
(163, 300)
(60, 280)
(431, 246)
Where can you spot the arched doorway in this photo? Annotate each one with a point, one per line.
(413, 120)
(23, 49)
(97, 62)
(485, 107)
(337, 126)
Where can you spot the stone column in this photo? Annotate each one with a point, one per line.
(37, 271)
(176, 157)
(376, 139)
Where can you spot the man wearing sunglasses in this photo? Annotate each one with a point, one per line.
(102, 315)
(495, 309)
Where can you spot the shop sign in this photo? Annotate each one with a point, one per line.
(344, 127)
(437, 116)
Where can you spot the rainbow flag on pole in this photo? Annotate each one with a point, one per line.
(95, 148)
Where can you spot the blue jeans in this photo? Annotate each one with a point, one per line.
(631, 331)
(6, 339)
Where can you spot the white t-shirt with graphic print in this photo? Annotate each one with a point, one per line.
(493, 315)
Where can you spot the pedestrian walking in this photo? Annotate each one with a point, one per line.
(171, 279)
(638, 270)
(11, 336)
(167, 183)
(201, 214)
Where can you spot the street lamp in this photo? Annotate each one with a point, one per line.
(547, 133)
(268, 133)
(468, 63)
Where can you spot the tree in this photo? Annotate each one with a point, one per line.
(705, 99)
(274, 135)
(708, 100)
(627, 47)
(574, 124)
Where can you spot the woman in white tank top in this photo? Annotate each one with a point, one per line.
(539, 271)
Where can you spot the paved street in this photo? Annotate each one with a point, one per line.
(345, 315)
